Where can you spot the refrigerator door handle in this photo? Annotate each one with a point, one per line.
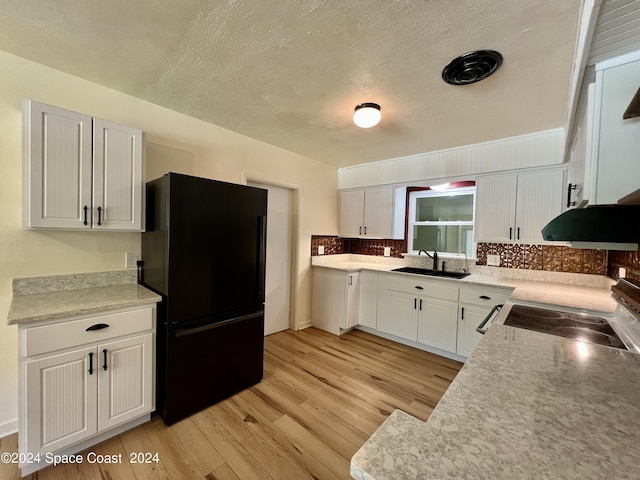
(183, 332)
(262, 256)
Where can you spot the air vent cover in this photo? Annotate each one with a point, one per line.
(472, 67)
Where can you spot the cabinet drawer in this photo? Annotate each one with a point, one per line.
(59, 336)
(485, 296)
(414, 285)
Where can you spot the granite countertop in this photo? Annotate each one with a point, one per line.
(526, 405)
(47, 298)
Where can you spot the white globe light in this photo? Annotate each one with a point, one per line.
(367, 115)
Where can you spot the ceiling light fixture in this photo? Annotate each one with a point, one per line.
(367, 115)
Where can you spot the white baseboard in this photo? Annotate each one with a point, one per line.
(7, 428)
(303, 325)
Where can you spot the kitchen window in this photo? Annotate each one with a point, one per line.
(441, 221)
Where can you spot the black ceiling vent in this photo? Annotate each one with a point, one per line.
(472, 67)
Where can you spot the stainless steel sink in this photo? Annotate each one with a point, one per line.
(430, 273)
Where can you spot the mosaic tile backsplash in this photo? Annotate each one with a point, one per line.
(531, 257)
(628, 260)
(335, 245)
(545, 257)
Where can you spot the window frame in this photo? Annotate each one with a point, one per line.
(411, 215)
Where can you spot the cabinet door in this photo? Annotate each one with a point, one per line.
(351, 213)
(539, 200)
(469, 319)
(378, 212)
(117, 177)
(61, 400)
(328, 299)
(57, 167)
(437, 323)
(398, 314)
(496, 208)
(368, 313)
(353, 300)
(125, 374)
(617, 141)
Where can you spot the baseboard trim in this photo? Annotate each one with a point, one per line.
(303, 325)
(8, 428)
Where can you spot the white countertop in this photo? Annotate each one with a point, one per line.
(39, 299)
(526, 405)
(558, 292)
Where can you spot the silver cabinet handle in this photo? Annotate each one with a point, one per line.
(481, 328)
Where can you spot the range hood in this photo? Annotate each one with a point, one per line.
(610, 227)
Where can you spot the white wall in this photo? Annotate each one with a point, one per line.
(174, 142)
(460, 163)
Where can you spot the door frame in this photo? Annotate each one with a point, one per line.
(296, 190)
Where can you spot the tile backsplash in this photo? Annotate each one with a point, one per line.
(335, 245)
(545, 257)
(627, 260)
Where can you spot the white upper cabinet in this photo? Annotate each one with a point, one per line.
(515, 207)
(80, 172)
(367, 212)
(615, 162)
(495, 208)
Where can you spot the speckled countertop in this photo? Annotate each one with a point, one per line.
(526, 405)
(578, 291)
(47, 298)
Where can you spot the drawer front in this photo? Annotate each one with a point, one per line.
(414, 285)
(484, 296)
(59, 336)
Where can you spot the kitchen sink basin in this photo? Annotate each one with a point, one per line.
(430, 273)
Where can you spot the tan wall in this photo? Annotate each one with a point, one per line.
(174, 142)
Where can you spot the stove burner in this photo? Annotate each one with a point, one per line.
(576, 326)
(590, 336)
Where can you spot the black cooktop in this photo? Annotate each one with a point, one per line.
(576, 326)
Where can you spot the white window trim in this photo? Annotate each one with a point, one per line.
(433, 193)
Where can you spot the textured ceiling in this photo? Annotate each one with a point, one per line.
(289, 72)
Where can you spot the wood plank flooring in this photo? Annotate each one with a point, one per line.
(321, 398)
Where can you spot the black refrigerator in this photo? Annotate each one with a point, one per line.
(204, 251)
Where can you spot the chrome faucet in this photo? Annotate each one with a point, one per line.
(434, 256)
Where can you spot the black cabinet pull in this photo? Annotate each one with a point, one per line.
(90, 363)
(97, 326)
(420, 304)
(365, 229)
(105, 359)
(350, 280)
(510, 232)
(99, 215)
(462, 313)
(419, 287)
(85, 208)
(571, 186)
(415, 303)
(484, 297)
(518, 234)
(360, 232)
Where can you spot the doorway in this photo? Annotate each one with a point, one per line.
(279, 253)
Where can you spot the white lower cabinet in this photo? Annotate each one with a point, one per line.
(399, 314)
(475, 304)
(368, 315)
(335, 302)
(437, 315)
(468, 320)
(422, 311)
(78, 381)
(438, 323)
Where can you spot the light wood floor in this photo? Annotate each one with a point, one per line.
(321, 398)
